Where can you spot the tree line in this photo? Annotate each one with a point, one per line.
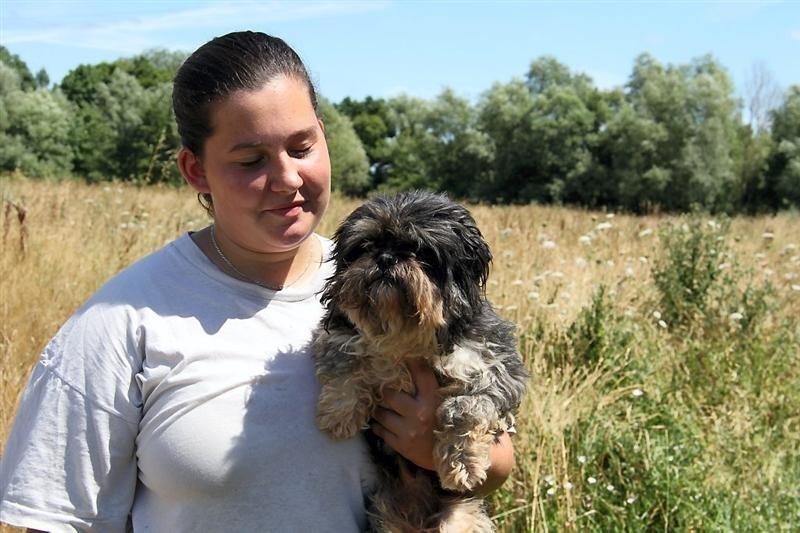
(672, 139)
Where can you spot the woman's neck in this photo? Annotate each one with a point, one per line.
(272, 270)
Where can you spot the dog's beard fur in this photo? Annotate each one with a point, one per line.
(385, 304)
(399, 311)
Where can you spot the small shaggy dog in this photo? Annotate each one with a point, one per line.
(410, 281)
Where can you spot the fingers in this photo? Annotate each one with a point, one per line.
(389, 420)
(388, 437)
(399, 402)
(423, 376)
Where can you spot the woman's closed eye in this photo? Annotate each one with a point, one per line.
(249, 163)
(301, 152)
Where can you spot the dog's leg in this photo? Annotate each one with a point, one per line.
(465, 436)
(464, 516)
(346, 399)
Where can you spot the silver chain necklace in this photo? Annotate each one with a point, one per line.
(248, 278)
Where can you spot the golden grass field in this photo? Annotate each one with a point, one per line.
(593, 436)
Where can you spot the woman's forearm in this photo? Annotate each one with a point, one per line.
(502, 459)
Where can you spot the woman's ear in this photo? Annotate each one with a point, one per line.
(192, 170)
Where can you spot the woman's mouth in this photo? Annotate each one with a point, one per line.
(290, 210)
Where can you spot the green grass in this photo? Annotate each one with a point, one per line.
(681, 416)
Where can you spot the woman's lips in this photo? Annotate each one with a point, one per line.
(291, 210)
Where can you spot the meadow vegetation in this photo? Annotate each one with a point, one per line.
(664, 350)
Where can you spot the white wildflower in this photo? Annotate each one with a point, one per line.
(610, 263)
(610, 488)
(630, 499)
(548, 245)
(645, 232)
(642, 259)
(629, 272)
(724, 266)
(585, 239)
(736, 316)
(657, 315)
(533, 295)
(550, 480)
(637, 392)
(796, 287)
(662, 324)
(603, 226)
(568, 485)
(768, 272)
(610, 215)
(582, 459)
(591, 480)
(767, 235)
(551, 491)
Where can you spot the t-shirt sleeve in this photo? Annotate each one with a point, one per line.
(69, 463)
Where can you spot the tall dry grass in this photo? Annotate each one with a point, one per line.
(620, 430)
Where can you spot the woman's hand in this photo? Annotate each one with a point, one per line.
(406, 422)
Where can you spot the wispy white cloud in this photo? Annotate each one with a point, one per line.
(134, 34)
(795, 35)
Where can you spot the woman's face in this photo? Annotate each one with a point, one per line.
(266, 167)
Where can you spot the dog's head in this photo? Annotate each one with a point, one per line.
(411, 270)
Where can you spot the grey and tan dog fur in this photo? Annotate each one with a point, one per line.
(409, 281)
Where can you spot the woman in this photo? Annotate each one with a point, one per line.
(181, 396)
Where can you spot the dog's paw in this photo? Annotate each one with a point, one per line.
(462, 477)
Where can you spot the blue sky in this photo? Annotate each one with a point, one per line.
(384, 47)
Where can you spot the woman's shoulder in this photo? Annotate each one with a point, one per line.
(155, 274)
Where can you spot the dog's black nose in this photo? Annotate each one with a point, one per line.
(386, 260)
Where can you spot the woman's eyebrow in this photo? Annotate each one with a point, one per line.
(306, 132)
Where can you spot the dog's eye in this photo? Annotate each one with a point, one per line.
(426, 257)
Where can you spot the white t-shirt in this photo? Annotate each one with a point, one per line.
(186, 398)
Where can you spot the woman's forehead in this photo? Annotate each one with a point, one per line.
(281, 108)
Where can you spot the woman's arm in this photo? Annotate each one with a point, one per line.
(406, 424)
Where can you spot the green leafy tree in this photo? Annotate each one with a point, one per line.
(685, 120)
(544, 131)
(81, 83)
(784, 166)
(461, 155)
(411, 148)
(373, 123)
(127, 132)
(42, 79)
(34, 128)
(349, 164)
(26, 79)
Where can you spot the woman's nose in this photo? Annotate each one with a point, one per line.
(283, 175)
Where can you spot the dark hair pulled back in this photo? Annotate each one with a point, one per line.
(244, 60)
